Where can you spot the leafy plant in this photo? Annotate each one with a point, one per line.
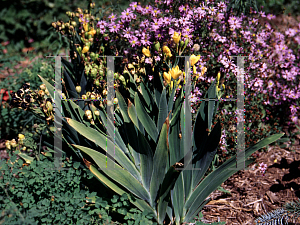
(32, 193)
(154, 194)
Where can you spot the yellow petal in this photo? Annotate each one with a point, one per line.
(92, 32)
(175, 72)
(85, 49)
(146, 52)
(218, 77)
(167, 77)
(176, 37)
(85, 27)
(194, 59)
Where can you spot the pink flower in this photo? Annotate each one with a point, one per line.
(156, 25)
(133, 5)
(262, 167)
(112, 17)
(134, 41)
(234, 22)
(150, 77)
(127, 33)
(114, 27)
(127, 14)
(290, 32)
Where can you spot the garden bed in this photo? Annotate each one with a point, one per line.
(252, 194)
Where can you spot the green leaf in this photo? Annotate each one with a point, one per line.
(217, 177)
(123, 177)
(163, 113)
(145, 119)
(160, 156)
(104, 142)
(141, 204)
(133, 116)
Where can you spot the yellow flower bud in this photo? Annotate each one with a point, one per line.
(115, 101)
(203, 71)
(167, 77)
(78, 89)
(219, 76)
(175, 72)
(43, 87)
(146, 52)
(88, 113)
(21, 136)
(13, 143)
(223, 85)
(86, 26)
(8, 144)
(85, 49)
(167, 51)
(176, 37)
(194, 59)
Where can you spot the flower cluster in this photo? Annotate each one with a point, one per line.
(263, 167)
(29, 100)
(271, 65)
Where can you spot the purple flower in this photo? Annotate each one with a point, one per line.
(144, 23)
(290, 32)
(133, 41)
(148, 60)
(112, 17)
(127, 14)
(114, 27)
(234, 22)
(127, 32)
(155, 25)
(133, 5)
(101, 23)
(271, 16)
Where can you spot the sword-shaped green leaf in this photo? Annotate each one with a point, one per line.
(163, 113)
(160, 162)
(141, 204)
(122, 177)
(103, 142)
(145, 119)
(221, 174)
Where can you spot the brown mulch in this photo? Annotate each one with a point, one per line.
(253, 195)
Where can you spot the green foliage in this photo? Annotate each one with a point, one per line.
(242, 6)
(35, 194)
(43, 196)
(277, 7)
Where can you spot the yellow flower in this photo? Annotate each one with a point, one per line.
(167, 51)
(167, 77)
(85, 49)
(92, 32)
(194, 59)
(175, 72)
(203, 71)
(176, 37)
(146, 52)
(21, 136)
(218, 76)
